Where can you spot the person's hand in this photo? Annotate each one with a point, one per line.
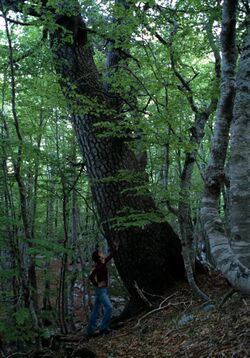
(101, 284)
(116, 245)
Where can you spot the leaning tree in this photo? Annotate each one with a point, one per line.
(149, 255)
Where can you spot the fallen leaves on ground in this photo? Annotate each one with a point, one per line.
(208, 331)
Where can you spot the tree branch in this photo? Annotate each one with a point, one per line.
(159, 308)
(185, 83)
(17, 22)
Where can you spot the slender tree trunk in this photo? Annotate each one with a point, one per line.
(35, 179)
(9, 253)
(29, 276)
(10, 228)
(62, 292)
(74, 237)
(49, 237)
(184, 207)
(226, 261)
(196, 135)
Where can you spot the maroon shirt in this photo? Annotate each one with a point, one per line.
(100, 272)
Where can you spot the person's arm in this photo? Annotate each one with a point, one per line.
(92, 278)
(114, 247)
(109, 257)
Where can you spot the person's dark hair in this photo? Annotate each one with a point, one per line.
(95, 256)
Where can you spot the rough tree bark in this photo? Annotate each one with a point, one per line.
(236, 273)
(150, 256)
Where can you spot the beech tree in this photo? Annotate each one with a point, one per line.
(232, 112)
(239, 161)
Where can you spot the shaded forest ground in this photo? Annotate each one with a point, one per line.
(185, 327)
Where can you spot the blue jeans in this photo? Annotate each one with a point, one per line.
(101, 298)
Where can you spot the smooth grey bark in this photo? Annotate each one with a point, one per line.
(49, 237)
(62, 301)
(239, 166)
(73, 238)
(73, 265)
(236, 273)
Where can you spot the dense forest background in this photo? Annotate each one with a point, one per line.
(121, 121)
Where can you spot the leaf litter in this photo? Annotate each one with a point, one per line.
(186, 327)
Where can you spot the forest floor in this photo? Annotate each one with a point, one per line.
(180, 326)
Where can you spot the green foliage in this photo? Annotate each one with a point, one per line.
(154, 104)
(134, 218)
(156, 40)
(18, 327)
(22, 316)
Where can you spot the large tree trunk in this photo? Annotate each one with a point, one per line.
(148, 255)
(239, 170)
